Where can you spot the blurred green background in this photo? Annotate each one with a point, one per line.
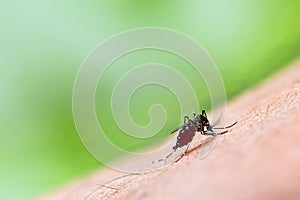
(42, 45)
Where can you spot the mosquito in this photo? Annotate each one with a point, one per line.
(188, 130)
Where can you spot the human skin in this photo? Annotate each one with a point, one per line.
(259, 158)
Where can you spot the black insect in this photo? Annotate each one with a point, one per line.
(188, 130)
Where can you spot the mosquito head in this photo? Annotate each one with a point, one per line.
(206, 123)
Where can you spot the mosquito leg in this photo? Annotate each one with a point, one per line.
(194, 114)
(226, 126)
(209, 133)
(187, 148)
(164, 159)
(186, 119)
(204, 113)
(176, 130)
(179, 158)
(170, 154)
(183, 153)
(213, 133)
(109, 187)
(222, 133)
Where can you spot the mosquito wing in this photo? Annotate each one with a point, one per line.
(208, 145)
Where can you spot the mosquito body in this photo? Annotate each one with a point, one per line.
(188, 130)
